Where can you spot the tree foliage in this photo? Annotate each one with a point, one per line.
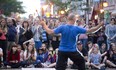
(64, 5)
(68, 4)
(60, 4)
(8, 6)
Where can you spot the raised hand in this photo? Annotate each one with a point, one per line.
(42, 22)
(102, 23)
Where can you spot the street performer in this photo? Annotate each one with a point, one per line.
(67, 47)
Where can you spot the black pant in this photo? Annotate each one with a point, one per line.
(3, 45)
(13, 65)
(74, 56)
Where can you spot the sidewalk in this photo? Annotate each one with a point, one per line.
(46, 69)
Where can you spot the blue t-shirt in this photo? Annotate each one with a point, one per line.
(68, 39)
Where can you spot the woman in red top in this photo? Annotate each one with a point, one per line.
(3, 38)
(13, 59)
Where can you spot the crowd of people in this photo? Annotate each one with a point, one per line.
(25, 43)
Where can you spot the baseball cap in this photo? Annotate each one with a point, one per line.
(79, 42)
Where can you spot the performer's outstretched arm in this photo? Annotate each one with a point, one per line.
(48, 30)
(95, 28)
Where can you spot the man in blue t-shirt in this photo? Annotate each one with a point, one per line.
(67, 47)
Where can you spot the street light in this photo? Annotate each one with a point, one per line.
(45, 7)
(105, 4)
(62, 12)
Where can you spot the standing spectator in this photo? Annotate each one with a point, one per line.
(110, 32)
(55, 41)
(1, 56)
(62, 20)
(83, 37)
(92, 36)
(51, 25)
(37, 33)
(31, 20)
(13, 59)
(44, 37)
(25, 33)
(18, 27)
(12, 33)
(100, 39)
(3, 38)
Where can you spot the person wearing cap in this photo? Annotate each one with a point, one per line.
(82, 51)
(67, 47)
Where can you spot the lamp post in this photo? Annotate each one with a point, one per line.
(44, 8)
(102, 5)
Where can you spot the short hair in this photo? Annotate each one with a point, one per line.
(71, 16)
(114, 20)
(90, 42)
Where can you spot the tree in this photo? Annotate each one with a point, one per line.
(8, 6)
(69, 5)
(62, 6)
(65, 6)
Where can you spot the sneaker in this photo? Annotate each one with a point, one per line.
(8, 66)
(31, 66)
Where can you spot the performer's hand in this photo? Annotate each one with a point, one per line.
(102, 23)
(16, 61)
(42, 23)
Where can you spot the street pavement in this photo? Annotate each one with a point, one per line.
(47, 69)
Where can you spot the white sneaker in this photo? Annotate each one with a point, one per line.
(31, 66)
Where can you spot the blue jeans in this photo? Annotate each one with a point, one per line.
(26, 63)
(38, 44)
(13, 65)
(108, 44)
(84, 42)
(100, 43)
